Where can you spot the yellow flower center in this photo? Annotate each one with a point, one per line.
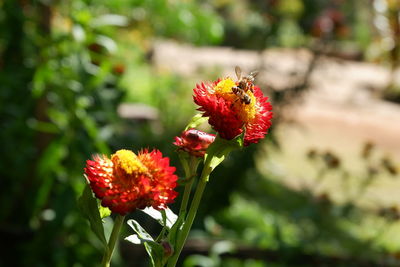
(128, 162)
(246, 112)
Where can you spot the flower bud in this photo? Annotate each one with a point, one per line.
(194, 142)
(168, 249)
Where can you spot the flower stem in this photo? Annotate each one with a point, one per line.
(190, 172)
(190, 217)
(119, 220)
(185, 198)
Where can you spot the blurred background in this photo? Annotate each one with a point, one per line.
(80, 77)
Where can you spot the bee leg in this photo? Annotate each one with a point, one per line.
(234, 102)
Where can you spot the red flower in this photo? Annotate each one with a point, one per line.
(194, 142)
(128, 181)
(229, 115)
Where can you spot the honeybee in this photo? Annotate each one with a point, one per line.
(243, 85)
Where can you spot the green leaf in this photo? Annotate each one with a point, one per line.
(173, 233)
(166, 217)
(200, 261)
(110, 20)
(104, 211)
(222, 247)
(88, 205)
(134, 239)
(49, 162)
(196, 121)
(156, 253)
(42, 126)
(218, 151)
(140, 231)
(154, 249)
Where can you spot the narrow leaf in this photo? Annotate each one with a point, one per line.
(168, 221)
(196, 121)
(88, 205)
(139, 230)
(156, 253)
(219, 150)
(134, 239)
(173, 233)
(154, 249)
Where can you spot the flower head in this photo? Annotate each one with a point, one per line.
(194, 142)
(128, 181)
(229, 115)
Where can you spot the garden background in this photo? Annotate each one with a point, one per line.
(81, 77)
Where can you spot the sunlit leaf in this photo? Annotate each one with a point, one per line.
(200, 261)
(78, 33)
(170, 218)
(107, 42)
(197, 120)
(134, 239)
(219, 150)
(140, 231)
(110, 20)
(104, 211)
(222, 247)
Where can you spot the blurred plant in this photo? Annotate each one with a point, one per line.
(372, 168)
(214, 258)
(367, 150)
(184, 20)
(312, 222)
(67, 101)
(330, 24)
(389, 166)
(387, 23)
(256, 24)
(391, 213)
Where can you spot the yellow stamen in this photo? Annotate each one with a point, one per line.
(128, 161)
(246, 112)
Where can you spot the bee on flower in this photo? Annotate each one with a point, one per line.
(234, 107)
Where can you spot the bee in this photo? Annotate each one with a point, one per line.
(243, 85)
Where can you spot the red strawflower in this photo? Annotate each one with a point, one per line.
(229, 116)
(128, 181)
(194, 142)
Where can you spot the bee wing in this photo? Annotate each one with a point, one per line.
(238, 72)
(254, 73)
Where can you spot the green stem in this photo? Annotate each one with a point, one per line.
(119, 220)
(190, 218)
(190, 172)
(185, 198)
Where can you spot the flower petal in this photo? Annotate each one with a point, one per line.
(127, 182)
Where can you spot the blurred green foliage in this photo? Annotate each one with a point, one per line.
(60, 79)
(66, 66)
